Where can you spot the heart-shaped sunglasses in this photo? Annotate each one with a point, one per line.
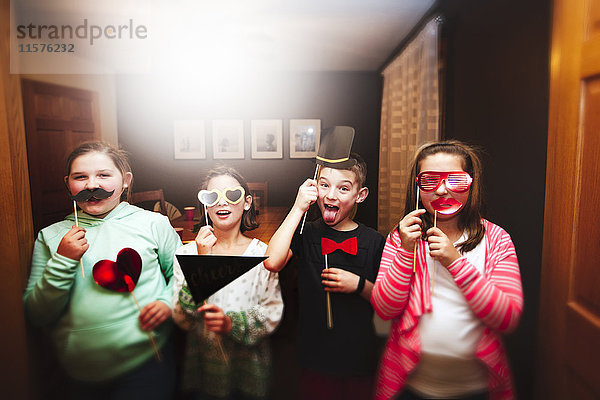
(211, 197)
(456, 181)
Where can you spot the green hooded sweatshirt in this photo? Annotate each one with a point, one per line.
(95, 330)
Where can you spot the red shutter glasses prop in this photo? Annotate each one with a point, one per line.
(456, 181)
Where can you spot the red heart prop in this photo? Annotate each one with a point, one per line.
(120, 276)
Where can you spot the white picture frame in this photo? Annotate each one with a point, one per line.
(266, 138)
(189, 139)
(228, 138)
(304, 137)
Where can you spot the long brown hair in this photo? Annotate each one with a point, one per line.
(249, 216)
(469, 218)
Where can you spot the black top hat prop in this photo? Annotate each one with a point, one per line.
(207, 274)
(334, 151)
(335, 146)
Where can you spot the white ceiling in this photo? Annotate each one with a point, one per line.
(309, 35)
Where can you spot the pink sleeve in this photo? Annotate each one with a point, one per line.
(496, 297)
(390, 292)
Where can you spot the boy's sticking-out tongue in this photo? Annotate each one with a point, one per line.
(329, 213)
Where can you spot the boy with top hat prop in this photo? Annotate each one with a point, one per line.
(338, 263)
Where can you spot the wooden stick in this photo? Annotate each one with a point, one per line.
(304, 218)
(329, 313)
(218, 339)
(156, 351)
(77, 225)
(435, 226)
(416, 241)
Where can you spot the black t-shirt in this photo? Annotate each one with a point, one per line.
(349, 348)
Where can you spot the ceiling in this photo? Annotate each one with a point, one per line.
(309, 35)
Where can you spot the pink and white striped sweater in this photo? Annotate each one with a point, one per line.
(496, 297)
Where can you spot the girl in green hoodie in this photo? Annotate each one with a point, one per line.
(101, 337)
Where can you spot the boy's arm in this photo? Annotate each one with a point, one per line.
(366, 292)
(279, 246)
(338, 280)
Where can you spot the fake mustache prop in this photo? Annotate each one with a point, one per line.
(86, 194)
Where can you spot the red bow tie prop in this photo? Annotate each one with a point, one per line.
(347, 246)
(329, 246)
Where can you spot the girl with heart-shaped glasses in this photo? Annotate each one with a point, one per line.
(229, 332)
(231, 195)
(100, 331)
(452, 331)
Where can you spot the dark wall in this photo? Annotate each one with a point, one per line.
(148, 105)
(497, 54)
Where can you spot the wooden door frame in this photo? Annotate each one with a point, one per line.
(16, 232)
(561, 203)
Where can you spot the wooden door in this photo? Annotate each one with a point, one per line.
(57, 119)
(16, 230)
(569, 330)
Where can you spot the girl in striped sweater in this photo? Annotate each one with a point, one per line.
(450, 281)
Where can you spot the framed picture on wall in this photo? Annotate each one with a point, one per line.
(189, 139)
(304, 137)
(267, 138)
(228, 138)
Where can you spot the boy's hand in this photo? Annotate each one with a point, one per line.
(73, 244)
(441, 248)
(215, 319)
(410, 229)
(205, 240)
(339, 280)
(307, 194)
(154, 314)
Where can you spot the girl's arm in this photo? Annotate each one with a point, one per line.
(497, 296)
(50, 283)
(259, 320)
(158, 311)
(279, 246)
(183, 317)
(390, 292)
(168, 242)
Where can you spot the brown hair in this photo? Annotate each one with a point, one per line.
(117, 155)
(359, 168)
(469, 218)
(249, 216)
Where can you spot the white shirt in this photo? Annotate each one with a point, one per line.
(256, 288)
(449, 336)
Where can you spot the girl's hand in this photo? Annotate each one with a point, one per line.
(153, 315)
(307, 194)
(441, 248)
(73, 244)
(410, 229)
(205, 240)
(215, 319)
(339, 280)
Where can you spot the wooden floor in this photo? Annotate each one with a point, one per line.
(269, 219)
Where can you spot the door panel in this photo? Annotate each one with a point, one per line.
(57, 119)
(569, 330)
